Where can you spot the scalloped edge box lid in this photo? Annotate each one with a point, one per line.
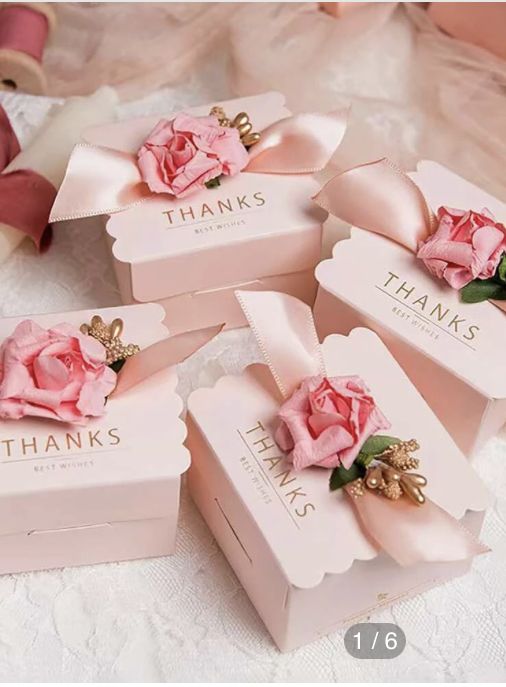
(115, 497)
(452, 351)
(174, 247)
(296, 547)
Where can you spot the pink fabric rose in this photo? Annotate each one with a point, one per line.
(465, 246)
(180, 155)
(327, 420)
(58, 373)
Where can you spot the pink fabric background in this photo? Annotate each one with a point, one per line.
(388, 60)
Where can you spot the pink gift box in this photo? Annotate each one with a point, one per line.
(106, 491)
(297, 548)
(255, 231)
(452, 351)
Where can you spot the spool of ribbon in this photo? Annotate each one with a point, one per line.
(102, 180)
(409, 532)
(24, 29)
(464, 247)
(29, 182)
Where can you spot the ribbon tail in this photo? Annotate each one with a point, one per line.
(380, 198)
(25, 202)
(161, 355)
(9, 144)
(284, 329)
(413, 534)
(301, 144)
(500, 304)
(98, 181)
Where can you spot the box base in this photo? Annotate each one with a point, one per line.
(296, 616)
(87, 545)
(190, 311)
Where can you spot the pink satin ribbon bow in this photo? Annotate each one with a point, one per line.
(25, 196)
(410, 534)
(101, 181)
(382, 199)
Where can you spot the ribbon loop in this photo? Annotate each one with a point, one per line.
(284, 329)
(301, 144)
(380, 198)
(98, 181)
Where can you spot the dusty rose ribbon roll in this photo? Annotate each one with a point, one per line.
(25, 195)
(24, 29)
(410, 534)
(102, 180)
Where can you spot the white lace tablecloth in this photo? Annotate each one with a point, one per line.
(186, 617)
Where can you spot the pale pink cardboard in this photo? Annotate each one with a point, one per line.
(114, 498)
(254, 231)
(452, 351)
(296, 547)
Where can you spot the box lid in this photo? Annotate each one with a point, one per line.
(252, 226)
(386, 282)
(310, 530)
(55, 475)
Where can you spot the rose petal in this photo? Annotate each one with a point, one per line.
(283, 438)
(180, 156)
(151, 172)
(16, 378)
(467, 245)
(50, 373)
(310, 451)
(327, 421)
(231, 152)
(64, 369)
(488, 243)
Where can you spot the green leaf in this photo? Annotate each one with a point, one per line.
(501, 270)
(341, 476)
(482, 290)
(365, 459)
(117, 365)
(377, 444)
(213, 183)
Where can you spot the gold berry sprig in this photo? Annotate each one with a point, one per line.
(241, 122)
(383, 465)
(109, 337)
